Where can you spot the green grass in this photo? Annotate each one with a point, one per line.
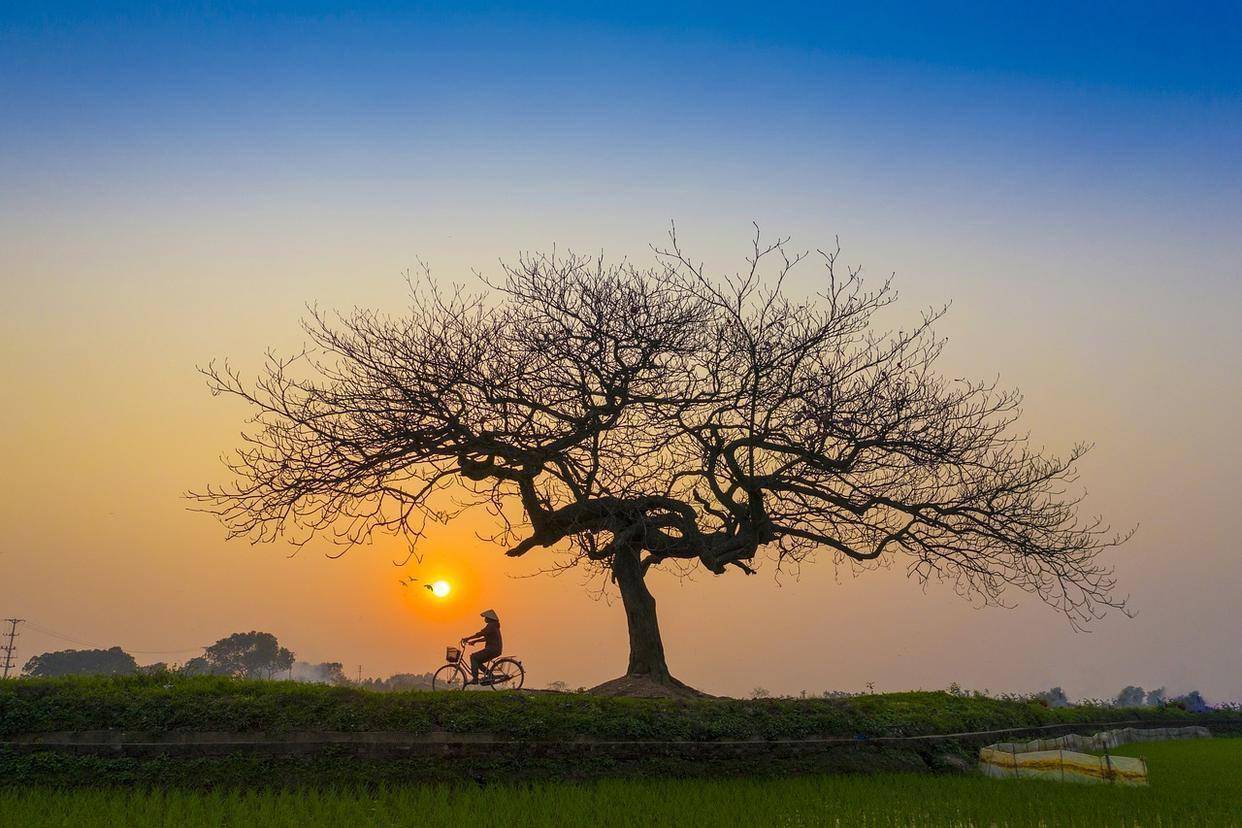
(1193, 783)
(159, 703)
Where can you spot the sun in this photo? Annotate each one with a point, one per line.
(441, 588)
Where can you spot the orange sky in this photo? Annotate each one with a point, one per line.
(108, 424)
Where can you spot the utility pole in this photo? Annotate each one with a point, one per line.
(10, 644)
(360, 674)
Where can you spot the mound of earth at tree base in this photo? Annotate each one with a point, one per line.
(645, 687)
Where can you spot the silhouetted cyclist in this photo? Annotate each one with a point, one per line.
(492, 645)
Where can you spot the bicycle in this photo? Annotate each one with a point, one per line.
(504, 673)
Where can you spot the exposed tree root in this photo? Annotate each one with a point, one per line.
(648, 687)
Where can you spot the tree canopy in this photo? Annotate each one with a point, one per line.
(636, 417)
(243, 655)
(110, 662)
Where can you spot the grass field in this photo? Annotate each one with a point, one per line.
(1193, 783)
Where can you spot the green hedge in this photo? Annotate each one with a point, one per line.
(69, 771)
(164, 703)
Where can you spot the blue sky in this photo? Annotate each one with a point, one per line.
(1136, 102)
(1109, 81)
(1169, 47)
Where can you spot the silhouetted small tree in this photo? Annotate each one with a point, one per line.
(198, 666)
(1055, 697)
(1193, 701)
(1130, 696)
(633, 418)
(111, 662)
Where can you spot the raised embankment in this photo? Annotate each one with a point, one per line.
(209, 731)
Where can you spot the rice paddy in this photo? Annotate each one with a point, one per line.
(1193, 783)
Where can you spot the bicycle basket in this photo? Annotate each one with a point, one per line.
(453, 654)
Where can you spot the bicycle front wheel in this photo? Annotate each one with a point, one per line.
(507, 674)
(448, 677)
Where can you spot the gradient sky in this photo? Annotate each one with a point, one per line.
(176, 185)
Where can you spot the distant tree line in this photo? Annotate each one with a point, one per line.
(258, 655)
(249, 655)
(399, 681)
(1132, 696)
(111, 662)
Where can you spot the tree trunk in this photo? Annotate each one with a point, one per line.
(646, 646)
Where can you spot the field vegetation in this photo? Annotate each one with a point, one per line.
(1193, 783)
(160, 703)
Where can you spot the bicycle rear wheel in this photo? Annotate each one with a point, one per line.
(448, 677)
(507, 674)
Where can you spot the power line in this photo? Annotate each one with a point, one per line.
(72, 640)
(10, 644)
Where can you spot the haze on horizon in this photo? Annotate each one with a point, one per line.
(177, 189)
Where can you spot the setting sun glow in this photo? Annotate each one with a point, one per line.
(440, 589)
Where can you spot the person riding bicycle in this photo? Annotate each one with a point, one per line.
(490, 636)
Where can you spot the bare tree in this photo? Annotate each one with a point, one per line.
(630, 418)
